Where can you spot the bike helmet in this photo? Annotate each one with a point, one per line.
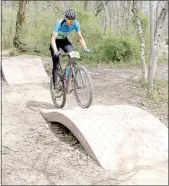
(70, 14)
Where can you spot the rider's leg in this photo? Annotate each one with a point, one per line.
(55, 60)
(67, 46)
(55, 69)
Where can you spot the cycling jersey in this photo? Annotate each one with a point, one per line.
(64, 29)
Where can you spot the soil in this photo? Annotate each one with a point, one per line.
(35, 152)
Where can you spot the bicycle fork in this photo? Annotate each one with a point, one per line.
(82, 81)
(67, 80)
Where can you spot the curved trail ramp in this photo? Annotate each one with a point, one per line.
(23, 69)
(120, 138)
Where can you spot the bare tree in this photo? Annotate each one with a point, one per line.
(100, 8)
(155, 41)
(124, 8)
(152, 55)
(112, 15)
(158, 31)
(157, 9)
(20, 21)
(129, 5)
(142, 41)
(117, 16)
(106, 16)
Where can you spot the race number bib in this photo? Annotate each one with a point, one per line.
(74, 54)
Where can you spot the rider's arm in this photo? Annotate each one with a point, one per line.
(81, 39)
(53, 38)
(55, 34)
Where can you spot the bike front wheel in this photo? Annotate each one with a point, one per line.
(83, 88)
(58, 94)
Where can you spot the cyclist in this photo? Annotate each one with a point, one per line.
(59, 38)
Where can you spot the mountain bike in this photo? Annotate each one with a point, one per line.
(73, 77)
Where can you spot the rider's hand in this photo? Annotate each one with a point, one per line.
(86, 50)
(56, 53)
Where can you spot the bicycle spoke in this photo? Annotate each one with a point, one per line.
(83, 87)
(58, 94)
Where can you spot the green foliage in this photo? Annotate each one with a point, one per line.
(38, 30)
(119, 49)
(104, 47)
(8, 27)
(163, 59)
(89, 25)
(160, 91)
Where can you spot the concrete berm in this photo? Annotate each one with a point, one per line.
(119, 137)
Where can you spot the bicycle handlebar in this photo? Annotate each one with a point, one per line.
(65, 54)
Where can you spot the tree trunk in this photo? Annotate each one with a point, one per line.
(110, 16)
(117, 20)
(157, 7)
(158, 32)
(106, 16)
(113, 17)
(142, 42)
(152, 55)
(129, 4)
(123, 11)
(100, 8)
(20, 20)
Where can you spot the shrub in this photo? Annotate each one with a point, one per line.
(104, 46)
(119, 49)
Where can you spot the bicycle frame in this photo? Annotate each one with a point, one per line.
(71, 64)
(74, 81)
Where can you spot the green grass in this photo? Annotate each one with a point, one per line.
(162, 59)
(160, 92)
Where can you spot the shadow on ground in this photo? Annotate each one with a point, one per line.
(38, 105)
(58, 129)
(66, 136)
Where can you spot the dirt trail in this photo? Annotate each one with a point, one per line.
(36, 152)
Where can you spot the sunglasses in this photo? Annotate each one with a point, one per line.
(70, 21)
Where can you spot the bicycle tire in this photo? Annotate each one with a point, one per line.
(54, 97)
(89, 102)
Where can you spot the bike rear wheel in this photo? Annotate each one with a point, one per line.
(58, 94)
(83, 88)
